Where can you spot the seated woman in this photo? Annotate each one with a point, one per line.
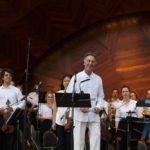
(45, 114)
(127, 108)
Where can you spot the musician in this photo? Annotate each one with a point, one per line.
(134, 95)
(62, 116)
(45, 114)
(10, 97)
(88, 82)
(128, 105)
(114, 104)
(115, 101)
(146, 113)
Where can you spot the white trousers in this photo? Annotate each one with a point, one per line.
(79, 135)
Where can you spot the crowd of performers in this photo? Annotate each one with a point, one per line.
(105, 123)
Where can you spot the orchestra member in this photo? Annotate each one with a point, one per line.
(10, 99)
(45, 114)
(127, 108)
(62, 118)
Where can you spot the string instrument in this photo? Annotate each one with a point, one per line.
(105, 126)
(6, 127)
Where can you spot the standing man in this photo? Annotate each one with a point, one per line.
(87, 82)
(10, 97)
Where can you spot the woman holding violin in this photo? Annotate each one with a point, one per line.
(10, 99)
(62, 119)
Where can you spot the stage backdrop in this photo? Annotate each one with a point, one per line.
(123, 52)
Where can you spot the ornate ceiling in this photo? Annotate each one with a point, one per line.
(48, 22)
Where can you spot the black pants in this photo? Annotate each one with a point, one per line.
(64, 138)
(44, 126)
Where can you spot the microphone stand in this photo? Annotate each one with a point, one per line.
(26, 92)
(72, 112)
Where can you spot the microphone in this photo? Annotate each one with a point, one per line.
(80, 84)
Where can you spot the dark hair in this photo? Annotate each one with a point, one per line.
(61, 85)
(125, 86)
(90, 53)
(6, 70)
(115, 89)
(135, 94)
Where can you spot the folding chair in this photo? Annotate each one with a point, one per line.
(50, 140)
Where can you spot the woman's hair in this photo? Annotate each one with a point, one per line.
(125, 86)
(61, 85)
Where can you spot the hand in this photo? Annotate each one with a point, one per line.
(96, 110)
(9, 109)
(53, 126)
(85, 110)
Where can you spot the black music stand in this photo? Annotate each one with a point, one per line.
(129, 129)
(79, 100)
(143, 103)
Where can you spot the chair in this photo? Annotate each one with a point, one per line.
(50, 140)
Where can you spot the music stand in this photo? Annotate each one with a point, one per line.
(79, 100)
(129, 129)
(143, 103)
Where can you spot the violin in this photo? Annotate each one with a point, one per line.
(6, 128)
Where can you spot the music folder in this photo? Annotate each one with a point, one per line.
(16, 115)
(65, 100)
(143, 103)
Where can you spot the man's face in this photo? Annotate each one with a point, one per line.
(7, 78)
(89, 63)
(115, 94)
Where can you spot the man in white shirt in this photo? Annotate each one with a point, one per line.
(87, 82)
(10, 99)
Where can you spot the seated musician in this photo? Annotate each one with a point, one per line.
(134, 95)
(115, 101)
(146, 113)
(10, 99)
(45, 114)
(127, 108)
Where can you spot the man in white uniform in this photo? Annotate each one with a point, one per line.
(10, 99)
(88, 82)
